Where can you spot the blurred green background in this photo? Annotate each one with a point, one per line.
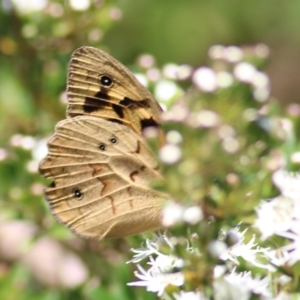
(39, 258)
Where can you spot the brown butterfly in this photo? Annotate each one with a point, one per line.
(100, 162)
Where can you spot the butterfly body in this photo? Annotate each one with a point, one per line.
(98, 159)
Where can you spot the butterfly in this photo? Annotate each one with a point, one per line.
(100, 163)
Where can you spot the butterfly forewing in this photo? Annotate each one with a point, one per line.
(99, 85)
(102, 173)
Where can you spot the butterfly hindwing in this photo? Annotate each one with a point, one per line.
(102, 173)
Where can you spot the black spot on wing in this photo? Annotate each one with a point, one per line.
(118, 110)
(77, 194)
(138, 147)
(112, 202)
(116, 121)
(52, 184)
(148, 123)
(133, 174)
(96, 102)
(127, 102)
(133, 104)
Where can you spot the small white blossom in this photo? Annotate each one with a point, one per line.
(170, 153)
(261, 80)
(288, 184)
(166, 263)
(174, 137)
(153, 74)
(40, 150)
(30, 6)
(165, 90)
(245, 72)
(192, 215)
(293, 248)
(172, 214)
(231, 145)
(151, 248)
(233, 54)
(141, 78)
(146, 61)
(224, 290)
(217, 248)
(262, 50)
(277, 257)
(275, 216)
(161, 271)
(142, 253)
(240, 286)
(170, 71)
(206, 118)
(3, 154)
(287, 296)
(184, 72)
(261, 94)
(295, 157)
(224, 79)
(216, 52)
(189, 296)
(155, 281)
(80, 4)
(249, 252)
(32, 166)
(205, 79)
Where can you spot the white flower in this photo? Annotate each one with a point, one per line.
(261, 80)
(151, 248)
(293, 248)
(275, 216)
(170, 71)
(165, 90)
(189, 296)
(170, 153)
(205, 79)
(233, 54)
(240, 286)
(287, 296)
(288, 184)
(249, 252)
(174, 137)
(206, 118)
(245, 72)
(225, 79)
(166, 263)
(3, 154)
(216, 52)
(193, 215)
(172, 214)
(162, 262)
(277, 257)
(184, 72)
(40, 149)
(142, 253)
(217, 248)
(29, 6)
(161, 271)
(155, 281)
(80, 4)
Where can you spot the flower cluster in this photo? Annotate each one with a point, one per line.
(230, 148)
(167, 270)
(281, 216)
